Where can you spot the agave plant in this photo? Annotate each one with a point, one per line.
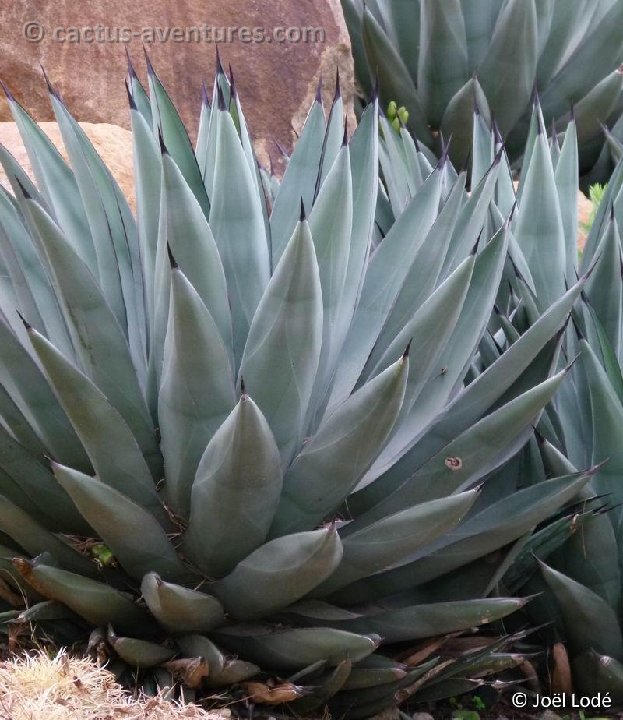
(574, 561)
(241, 436)
(583, 574)
(440, 58)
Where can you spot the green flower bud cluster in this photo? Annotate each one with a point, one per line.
(397, 115)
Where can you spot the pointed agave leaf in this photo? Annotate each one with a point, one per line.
(520, 267)
(108, 441)
(605, 351)
(393, 539)
(47, 610)
(472, 217)
(18, 525)
(455, 357)
(35, 272)
(383, 281)
(402, 179)
(330, 223)
(402, 22)
(472, 454)
(589, 622)
(610, 197)
(234, 672)
(30, 391)
(393, 78)
(614, 144)
(483, 148)
(458, 119)
(537, 123)
(423, 276)
(416, 622)
(605, 286)
(479, 23)
(347, 442)
(205, 115)
(360, 678)
(194, 249)
(607, 416)
(57, 184)
(591, 558)
(598, 673)
(235, 492)
(201, 646)
(167, 122)
(499, 524)
(327, 687)
(11, 489)
(283, 348)
(442, 69)
(249, 152)
(587, 65)
(334, 134)
(483, 393)
(98, 603)
(298, 182)
(178, 609)
(137, 91)
(14, 273)
(568, 27)
(99, 341)
(508, 69)
(539, 230)
(428, 334)
(207, 159)
(567, 183)
(113, 229)
(196, 392)
(111, 514)
(18, 177)
(147, 178)
(139, 653)
(353, 14)
(280, 572)
(298, 648)
(38, 484)
(19, 427)
(364, 173)
(238, 225)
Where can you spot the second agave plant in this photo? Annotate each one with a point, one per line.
(440, 58)
(573, 561)
(240, 435)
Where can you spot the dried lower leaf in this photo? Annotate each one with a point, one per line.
(189, 671)
(561, 670)
(265, 694)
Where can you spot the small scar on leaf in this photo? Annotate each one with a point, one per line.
(453, 463)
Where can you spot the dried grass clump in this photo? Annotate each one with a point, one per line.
(37, 687)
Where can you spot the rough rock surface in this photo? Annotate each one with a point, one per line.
(585, 209)
(113, 143)
(81, 46)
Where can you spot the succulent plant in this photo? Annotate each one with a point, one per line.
(438, 58)
(572, 562)
(583, 573)
(241, 434)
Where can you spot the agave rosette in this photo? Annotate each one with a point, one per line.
(241, 433)
(439, 58)
(580, 571)
(573, 562)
